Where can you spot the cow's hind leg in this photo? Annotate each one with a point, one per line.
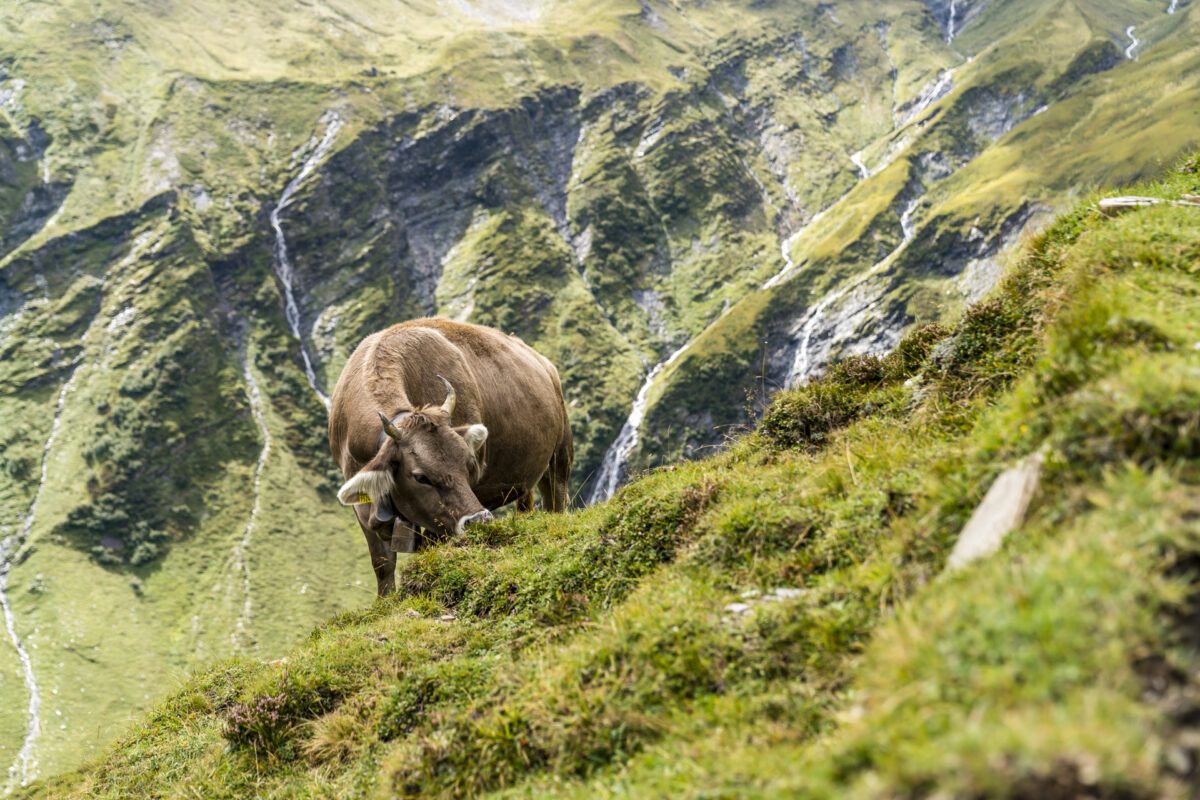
(525, 502)
(554, 484)
(383, 560)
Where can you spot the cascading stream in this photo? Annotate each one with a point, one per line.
(950, 22)
(935, 90)
(801, 365)
(241, 551)
(24, 768)
(1133, 43)
(284, 269)
(857, 159)
(789, 265)
(609, 475)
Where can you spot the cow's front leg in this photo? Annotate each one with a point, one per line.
(404, 538)
(383, 560)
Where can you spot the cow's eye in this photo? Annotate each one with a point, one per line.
(421, 479)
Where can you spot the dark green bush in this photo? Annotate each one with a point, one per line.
(805, 417)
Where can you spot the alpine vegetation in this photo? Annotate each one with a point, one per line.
(774, 292)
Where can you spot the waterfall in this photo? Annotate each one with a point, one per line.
(611, 468)
(284, 269)
(241, 551)
(857, 160)
(802, 363)
(1133, 43)
(24, 767)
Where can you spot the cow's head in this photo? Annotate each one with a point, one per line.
(427, 468)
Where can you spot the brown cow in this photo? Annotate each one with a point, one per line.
(434, 422)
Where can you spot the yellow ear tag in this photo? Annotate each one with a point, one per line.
(363, 497)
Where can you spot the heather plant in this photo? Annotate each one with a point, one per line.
(260, 724)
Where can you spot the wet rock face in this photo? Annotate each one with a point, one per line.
(845, 63)
(994, 115)
(28, 199)
(389, 207)
(37, 206)
(947, 253)
(934, 166)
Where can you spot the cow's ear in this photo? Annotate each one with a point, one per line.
(373, 482)
(368, 486)
(473, 435)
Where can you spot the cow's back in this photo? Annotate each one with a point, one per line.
(500, 382)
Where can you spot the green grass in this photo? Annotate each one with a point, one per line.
(597, 653)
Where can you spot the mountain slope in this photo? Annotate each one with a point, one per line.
(205, 206)
(991, 159)
(779, 619)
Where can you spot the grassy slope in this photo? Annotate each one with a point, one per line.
(596, 653)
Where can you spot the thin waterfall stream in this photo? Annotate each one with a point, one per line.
(241, 552)
(284, 269)
(1133, 43)
(802, 364)
(24, 767)
(609, 476)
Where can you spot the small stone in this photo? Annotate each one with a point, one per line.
(447, 618)
(737, 608)
(1116, 204)
(787, 593)
(999, 513)
(943, 352)
(1088, 769)
(750, 593)
(1179, 760)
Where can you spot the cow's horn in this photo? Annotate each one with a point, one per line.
(448, 403)
(388, 427)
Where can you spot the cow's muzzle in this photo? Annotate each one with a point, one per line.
(480, 516)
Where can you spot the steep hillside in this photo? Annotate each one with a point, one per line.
(1045, 106)
(780, 619)
(204, 206)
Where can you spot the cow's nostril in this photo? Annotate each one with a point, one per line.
(479, 516)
